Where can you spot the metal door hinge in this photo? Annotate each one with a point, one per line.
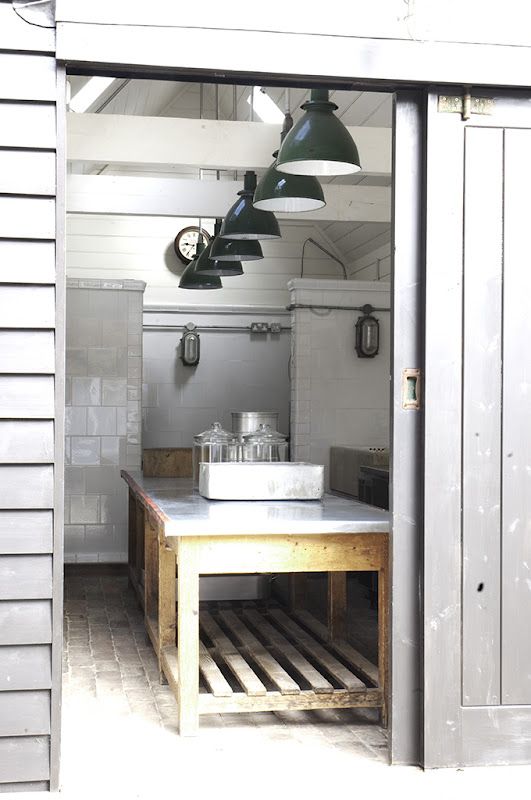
(465, 104)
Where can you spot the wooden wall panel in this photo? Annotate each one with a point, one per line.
(27, 306)
(28, 262)
(27, 218)
(27, 172)
(482, 365)
(27, 77)
(516, 456)
(25, 577)
(27, 125)
(24, 713)
(26, 487)
(25, 622)
(26, 532)
(25, 759)
(26, 442)
(26, 396)
(27, 352)
(16, 34)
(25, 667)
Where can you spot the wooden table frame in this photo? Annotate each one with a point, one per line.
(193, 556)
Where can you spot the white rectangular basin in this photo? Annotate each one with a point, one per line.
(243, 480)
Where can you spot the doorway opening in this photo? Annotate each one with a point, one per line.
(132, 191)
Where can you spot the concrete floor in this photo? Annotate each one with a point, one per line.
(120, 739)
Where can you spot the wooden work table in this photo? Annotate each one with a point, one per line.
(276, 660)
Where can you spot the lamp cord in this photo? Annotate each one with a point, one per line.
(324, 250)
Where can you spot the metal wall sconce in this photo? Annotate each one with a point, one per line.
(367, 334)
(189, 346)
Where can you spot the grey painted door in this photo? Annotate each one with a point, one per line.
(477, 555)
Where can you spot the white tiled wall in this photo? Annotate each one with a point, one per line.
(237, 371)
(336, 397)
(103, 414)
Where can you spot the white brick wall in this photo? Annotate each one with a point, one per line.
(103, 414)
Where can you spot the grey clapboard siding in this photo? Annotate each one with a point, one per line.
(26, 487)
(26, 396)
(29, 262)
(24, 713)
(27, 306)
(25, 577)
(27, 352)
(516, 456)
(27, 125)
(25, 667)
(26, 441)
(25, 622)
(27, 172)
(24, 759)
(27, 218)
(26, 532)
(27, 77)
(25, 786)
(481, 416)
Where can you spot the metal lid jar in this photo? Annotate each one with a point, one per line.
(214, 445)
(265, 444)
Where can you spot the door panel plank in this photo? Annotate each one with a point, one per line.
(482, 416)
(25, 622)
(25, 667)
(27, 218)
(24, 713)
(26, 442)
(26, 396)
(25, 577)
(26, 487)
(26, 532)
(27, 172)
(24, 758)
(27, 125)
(27, 77)
(27, 351)
(29, 262)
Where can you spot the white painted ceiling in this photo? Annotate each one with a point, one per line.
(193, 100)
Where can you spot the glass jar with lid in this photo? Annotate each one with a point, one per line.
(265, 444)
(214, 445)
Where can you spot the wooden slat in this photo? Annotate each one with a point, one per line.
(25, 622)
(27, 306)
(17, 34)
(25, 667)
(214, 678)
(29, 262)
(27, 77)
(25, 577)
(27, 352)
(27, 125)
(228, 651)
(26, 396)
(273, 638)
(344, 649)
(173, 462)
(27, 172)
(305, 701)
(24, 713)
(26, 441)
(274, 671)
(26, 487)
(27, 218)
(311, 647)
(25, 532)
(24, 758)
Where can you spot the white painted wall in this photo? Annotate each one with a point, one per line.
(336, 397)
(374, 266)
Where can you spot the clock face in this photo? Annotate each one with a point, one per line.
(186, 242)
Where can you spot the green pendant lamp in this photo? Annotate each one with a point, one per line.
(191, 279)
(277, 191)
(235, 250)
(207, 266)
(319, 144)
(244, 221)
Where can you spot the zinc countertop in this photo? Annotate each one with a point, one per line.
(184, 512)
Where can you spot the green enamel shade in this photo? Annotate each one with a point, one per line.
(205, 265)
(319, 143)
(191, 279)
(235, 249)
(244, 221)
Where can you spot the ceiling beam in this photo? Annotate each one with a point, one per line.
(179, 197)
(206, 143)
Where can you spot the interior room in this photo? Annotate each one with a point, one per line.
(298, 334)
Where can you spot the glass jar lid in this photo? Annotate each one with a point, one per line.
(264, 435)
(215, 435)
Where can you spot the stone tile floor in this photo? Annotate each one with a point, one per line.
(120, 738)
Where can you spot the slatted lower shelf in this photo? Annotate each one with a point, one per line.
(258, 658)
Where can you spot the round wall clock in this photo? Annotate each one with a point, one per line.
(186, 242)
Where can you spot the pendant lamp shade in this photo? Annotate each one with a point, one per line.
(205, 265)
(319, 143)
(191, 279)
(235, 250)
(244, 221)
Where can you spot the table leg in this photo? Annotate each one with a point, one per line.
(297, 591)
(188, 639)
(151, 572)
(166, 601)
(383, 635)
(337, 605)
(131, 550)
